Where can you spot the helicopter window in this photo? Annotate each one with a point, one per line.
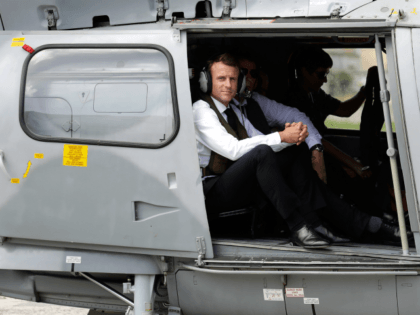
(106, 95)
(345, 79)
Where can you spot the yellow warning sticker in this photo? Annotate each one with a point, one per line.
(75, 155)
(18, 44)
(27, 170)
(15, 180)
(39, 155)
(18, 39)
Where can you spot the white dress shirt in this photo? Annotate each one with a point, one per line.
(212, 136)
(278, 114)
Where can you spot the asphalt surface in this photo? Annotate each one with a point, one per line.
(10, 306)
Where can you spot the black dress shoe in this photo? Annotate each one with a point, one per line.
(391, 233)
(322, 230)
(308, 238)
(392, 219)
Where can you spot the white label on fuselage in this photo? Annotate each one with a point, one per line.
(73, 260)
(273, 295)
(311, 300)
(294, 292)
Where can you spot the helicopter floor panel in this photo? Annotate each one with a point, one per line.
(273, 249)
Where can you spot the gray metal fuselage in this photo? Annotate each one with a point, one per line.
(99, 172)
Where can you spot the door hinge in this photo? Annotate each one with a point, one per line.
(385, 96)
(201, 248)
(228, 6)
(335, 13)
(51, 14)
(401, 14)
(162, 6)
(176, 36)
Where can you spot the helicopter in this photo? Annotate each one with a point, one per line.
(102, 204)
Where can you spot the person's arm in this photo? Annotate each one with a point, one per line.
(346, 160)
(211, 133)
(349, 107)
(318, 164)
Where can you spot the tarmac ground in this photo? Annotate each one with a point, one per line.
(10, 306)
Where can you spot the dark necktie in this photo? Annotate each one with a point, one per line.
(231, 118)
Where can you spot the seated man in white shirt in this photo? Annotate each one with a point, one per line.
(239, 160)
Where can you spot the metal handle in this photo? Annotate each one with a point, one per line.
(302, 272)
(2, 165)
(391, 152)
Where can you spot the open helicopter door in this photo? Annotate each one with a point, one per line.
(98, 143)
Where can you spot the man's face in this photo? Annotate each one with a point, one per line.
(251, 73)
(313, 81)
(225, 82)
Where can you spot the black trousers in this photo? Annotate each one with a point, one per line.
(287, 180)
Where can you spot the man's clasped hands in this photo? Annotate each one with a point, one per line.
(294, 133)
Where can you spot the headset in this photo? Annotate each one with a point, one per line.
(206, 81)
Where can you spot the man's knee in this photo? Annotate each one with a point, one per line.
(262, 151)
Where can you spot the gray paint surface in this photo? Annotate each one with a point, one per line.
(346, 295)
(242, 294)
(37, 258)
(61, 289)
(235, 295)
(94, 204)
(29, 14)
(88, 207)
(80, 13)
(74, 14)
(407, 69)
(408, 292)
(400, 126)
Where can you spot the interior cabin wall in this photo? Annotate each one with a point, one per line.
(272, 55)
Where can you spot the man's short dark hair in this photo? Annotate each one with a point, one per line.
(312, 58)
(226, 58)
